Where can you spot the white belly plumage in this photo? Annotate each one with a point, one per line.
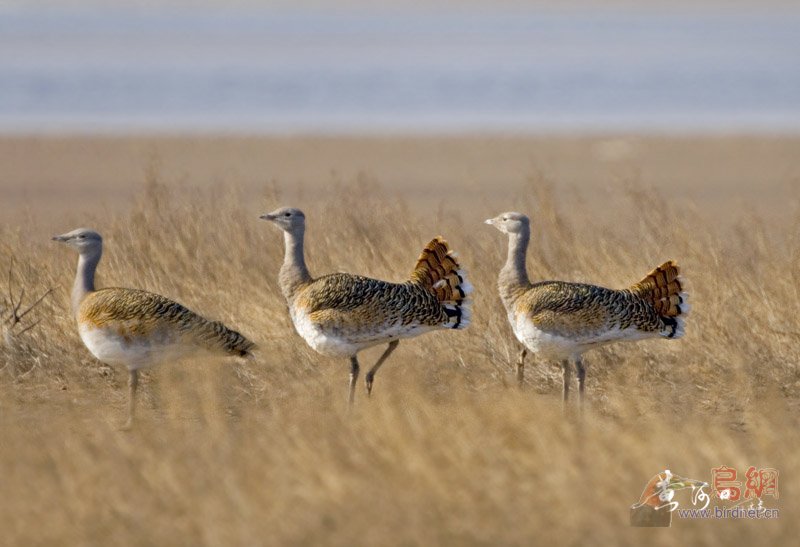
(328, 342)
(134, 352)
(540, 342)
(553, 346)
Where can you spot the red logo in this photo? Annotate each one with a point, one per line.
(758, 483)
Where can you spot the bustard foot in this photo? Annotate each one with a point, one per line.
(521, 368)
(354, 368)
(133, 383)
(581, 370)
(370, 377)
(368, 383)
(566, 376)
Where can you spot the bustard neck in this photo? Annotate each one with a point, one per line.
(84, 277)
(293, 273)
(514, 275)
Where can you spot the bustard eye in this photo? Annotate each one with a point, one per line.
(82, 236)
(287, 214)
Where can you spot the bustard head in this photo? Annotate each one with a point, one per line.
(82, 240)
(287, 219)
(509, 223)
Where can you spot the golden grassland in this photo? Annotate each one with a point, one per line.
(448, 451)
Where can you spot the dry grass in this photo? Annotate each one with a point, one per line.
(448, 451)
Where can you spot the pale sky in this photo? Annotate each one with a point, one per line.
(756, 5)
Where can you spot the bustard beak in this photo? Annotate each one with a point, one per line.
(267, 216)
(59, 238)
(489, 221)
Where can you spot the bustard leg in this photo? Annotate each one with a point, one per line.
(133, 383)
(371, 374)
(521, 367)
(580, 368)
(354, 368)
(566, 378)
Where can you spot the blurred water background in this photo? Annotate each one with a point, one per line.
(284, 70)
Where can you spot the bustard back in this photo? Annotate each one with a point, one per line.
(135, 328)
(340, 314)
(561, 320)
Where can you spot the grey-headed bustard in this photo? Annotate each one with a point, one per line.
(135, 328)
(340, 314)
(560, 320)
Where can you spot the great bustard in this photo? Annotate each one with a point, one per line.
(340, 314)
(560, 320)
(135, 328)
